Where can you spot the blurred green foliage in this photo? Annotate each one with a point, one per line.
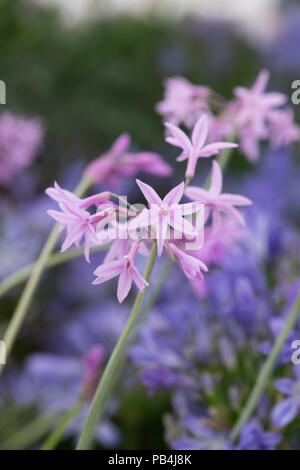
(92, 81)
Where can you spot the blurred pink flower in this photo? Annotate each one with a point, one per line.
(283, 129)
(216, 201)
(20, 139)
(250, 111)
(195, 148)
(163, 213)
(127, 272)
(183, 102)
(218, 244)
(91, 362)
(118, 162)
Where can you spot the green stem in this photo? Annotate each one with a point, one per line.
(107, 378)
(34, 278)
(54, 438)
(31, 433)
(54, 260)
(266, 371)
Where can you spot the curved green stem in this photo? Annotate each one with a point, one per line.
(54, 260)
(266, 371)
(31, 433)
(107, 378)
(34, 278)
(54, 438)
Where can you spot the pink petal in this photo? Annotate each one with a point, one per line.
(233, 213)
(199, 134)
(73, 236)
(180, 136)
(62, 217)
(197, 194)
(142, 220)
(121, 144)
(107, 271)
(174, 196)
(213, 149)
(149, 193)
(216, 180)
(182, 225)
(124, 285)
(234, 199)
(162, 228)
(260, 83)
(190, 207)
(138, 279)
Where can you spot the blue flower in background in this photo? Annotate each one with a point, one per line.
(253, 437)
(286, 410)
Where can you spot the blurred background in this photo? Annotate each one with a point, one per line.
(87, 71)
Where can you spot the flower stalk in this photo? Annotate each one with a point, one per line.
(266, 371)
(21, 310)
(107, 378)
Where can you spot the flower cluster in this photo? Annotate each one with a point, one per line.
(253, 115)
(129, 230)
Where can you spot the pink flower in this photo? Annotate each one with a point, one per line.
(163, 213)
(216, 201)
(251, 109)
(283, 129)
(64, 196)
(77, 221)
(92, 363)
(20, 140)
(118, 162)
(191, 266)
(194, 148)
(127, 272)
(183, 101)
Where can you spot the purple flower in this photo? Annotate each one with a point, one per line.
(118, 163)
(166, 212)
(253, 437)
(20, 139)
(216, 201)
(195, 148)
(127, 272)
(286, 410)
(183, 102)
(250, 112)
(197, 436)
(76, 220)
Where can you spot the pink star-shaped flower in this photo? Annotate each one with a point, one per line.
(216, 201)
(194, 148)
(77, 221)
(127, 272)
(166, 212)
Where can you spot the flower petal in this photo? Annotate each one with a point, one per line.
(180, 136)
(107, 271)
(284, 412)
(174, 196)
(149, 193)
(199, 134)
(124, 285)
(216, 180)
